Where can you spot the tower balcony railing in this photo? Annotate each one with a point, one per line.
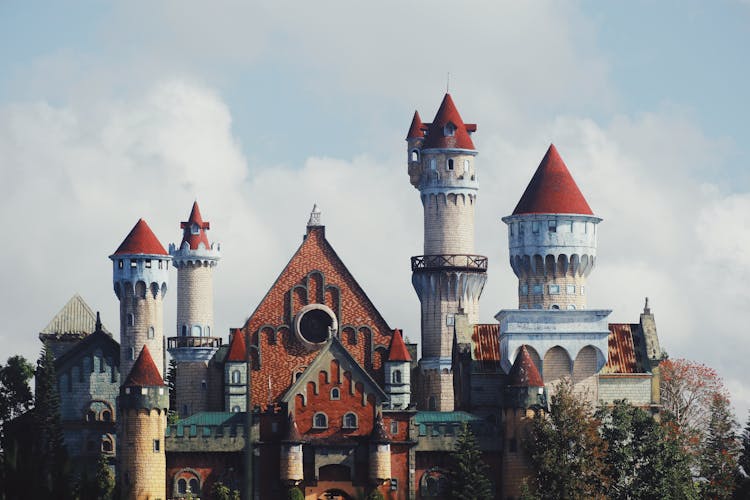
(451, 262)
(180, 342)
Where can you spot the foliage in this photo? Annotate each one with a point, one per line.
(743, 478)
(222, 492)
(171, 381)
(643, 459)
(15, 393)
(375, 495)
(566, 451)
(719, 452)
(469, 478)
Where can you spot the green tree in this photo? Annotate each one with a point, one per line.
(15, 393)
(719, 452)
(565, 450)
(171, 381)
(469, 478)
(220, 491)
(743, 478)
(295, 493)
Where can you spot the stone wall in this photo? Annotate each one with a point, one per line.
(143, 459)
(636, 388)
(147, 312)
(195, 299)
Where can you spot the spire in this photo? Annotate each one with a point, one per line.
(524, 372)
(194, 229)
(646, 309)
(448, 130)
(416, 130)
(378, 434)
(292, 431)
(237, 349)
(552, 190)
(98, 325)
(314, 217)
(140, 240)
(144, 372)
(397, 351)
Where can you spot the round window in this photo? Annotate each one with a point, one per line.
(314, 325)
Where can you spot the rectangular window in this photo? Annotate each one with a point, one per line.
(120, 264)
(537, 289)
(534, 226)
(570, 289)
(144, 391)
(133, 264)
(148, 264)
(161, 263)
(524, 289)
(520, 228)
(552, 226)
(394, 428)
(554, 289)
(450, 319)
(510, 227)
(157, 446)
(583, 290)
(394, 484)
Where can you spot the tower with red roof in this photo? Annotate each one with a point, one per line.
(140, 277)
(398, 373)
(449, 277)
(195, 341)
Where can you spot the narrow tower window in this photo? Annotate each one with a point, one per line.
(433, 164)
(552, 226)
(414, 155)
(396, 377)
(131, 319)
(394, 427)
(236, 377)
(157, 446)
(184, 330)
(150, 332)
(450, 164)
(534, 226)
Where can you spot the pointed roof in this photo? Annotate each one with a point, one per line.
(144, 372)
(75, 317)
(292, 431)
(397, 351)
(140, 240)
(378, 434)
(416, 129)
(524, 372)
(436, 137)
(195, 219)
(552, 190)
(237, 348)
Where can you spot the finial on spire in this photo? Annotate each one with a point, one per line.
(98, 326)
(448, 83)
(646, 309)
(314, 217)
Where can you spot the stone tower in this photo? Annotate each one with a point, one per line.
(143, 406)
(140, 276)
(380, 453)
(290, 456)
(552, 239)
(194, 345)
(398, 373)
(449, 277)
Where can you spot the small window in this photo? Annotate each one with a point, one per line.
(552, 226)
(204, 385)
(537, 289)
(148, 264)
(131, 319)
(525, 289)
(132, 353)
(534, 226)
(433, 164)
(236, 377)
(194, 486)
(555, 307)
(335, 394)
(157, 445)
(571, 307)
(394, 428)
(554, 289)
(120, 264)
(320, 421)
(181, 486)
(195, 229)
(450, 319)
(235, 409)
(144, 391)
(396, 376)
(195, 331)
(521, 228)
(184, 330)
(511, 227)
(106, 446)
(107, 416)
(161, 391)
(414, 155)
(161, 263)
(449, 164)
(350, 421)
(133, 264)
(583, 290)
(466, 166)
(570, 289)
(394, 484)
(127, 390)
(449, 130)
(150, 332)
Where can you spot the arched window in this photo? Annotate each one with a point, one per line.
(396, 376)
(236, 409)
(184, 330)
(335, 394)
(196, 331)
(106, 445)
(107, 416)
(194, 486)
(181, 486)
(320, 421)
(555, 307)
(414, 155)
(236, 377)
(131, 320)
(150, 332)
(350, 421)
(432, 404)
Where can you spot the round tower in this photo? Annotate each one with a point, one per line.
(143, 406)
(552, 239)
(194, 343)
(398, 373)
(380, 452)
(291, 471)
(449, 277)
(140, 276)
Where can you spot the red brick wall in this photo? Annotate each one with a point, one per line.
(211, 467)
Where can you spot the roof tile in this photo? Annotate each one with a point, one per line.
(140, 240)
(397, 350)
(436, 137)
(237, 348)
(144, 372)
(194, 239)
(524, 372)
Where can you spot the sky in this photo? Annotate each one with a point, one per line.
(113, 111)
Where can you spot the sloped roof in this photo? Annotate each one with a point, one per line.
(524, 372)
(144, 372)
(444, 417)
(75, 317)
(436, 137)
(99, 338)
(292, 431)
(378, 434)
(485, 342)
(416, 128)
(397, 350)
(621, 357)
(237, 347)
(140, 240)
(552, 190)
(187, 234)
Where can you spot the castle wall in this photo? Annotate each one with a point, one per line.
(636, 388)
(192, 387)
(448, 223)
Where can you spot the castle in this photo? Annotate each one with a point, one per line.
(316, 389)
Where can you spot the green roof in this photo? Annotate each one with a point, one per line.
(445, 417)
(213, 418)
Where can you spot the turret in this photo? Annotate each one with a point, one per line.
(290, 468)
(143, 406)
(194, 343)
(140, 276)
(449, 277)
(380, 452)
(235, 373)
(552, 239)
(398, 373)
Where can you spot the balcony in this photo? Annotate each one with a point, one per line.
(449, 262)
(180, 342)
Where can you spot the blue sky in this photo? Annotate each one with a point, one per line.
(114, 111)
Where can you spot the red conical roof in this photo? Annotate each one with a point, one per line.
(378, 434)
(397, 350)
(552, 190)
(237, 349)
(524, 372)
(144, 372)
(416, 129)
(292, 431)
(140, 240)
(436, 137)
(195, 219)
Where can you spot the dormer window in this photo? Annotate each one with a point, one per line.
(195, 229)
(449, 130)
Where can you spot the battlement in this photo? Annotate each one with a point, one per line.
(202, 255)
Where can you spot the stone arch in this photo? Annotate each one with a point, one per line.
(537, 264)
(550, 266)
(556, 366)
(575, 264)
(185, 481)
(562, 265)
(154, 289)
(140, 289)
(584, 373)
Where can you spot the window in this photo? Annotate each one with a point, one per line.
(132, 353)
(195, 331)
(571, 307)
(150, 332)
(396, 377)
(320, 421)
(335, 394)
(537, 289)
(161, 262)
(466, 166)
(144, 391)
(552, 226)
(148, 264)
(195, 229)
(131, 319)
(184, 330)
(534, 226)
(157, 445)
(133, 264)
(181, 486)
(583, 290)
(449, 164)
(194, 486)
(120, 264)
(236, 377)
(555, 307)
(525, 289)
(236, 409)
(350, 421)
(432, 403)
(106, 445)
(450, 319)
(554, 289)
(204, 385)
(433, 164)
(510, 227)
(107, 416)
(414, 155)
(449, 130)
(520, 228)
(394, 428)
(394, 484)
(570, 289)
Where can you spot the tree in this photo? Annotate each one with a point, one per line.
(15, 393)
(718, 458)
(172, 415)
(743, 478)
(566, 451)
(220, 491)
(470, 474)
(643, 459)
